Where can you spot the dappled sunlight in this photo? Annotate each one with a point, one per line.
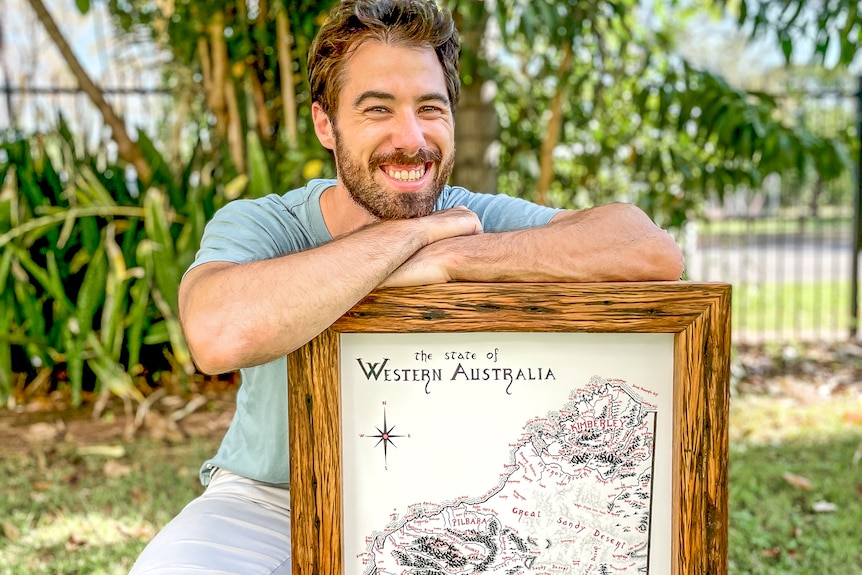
(761, 420)
(70, 541)
(78, 530)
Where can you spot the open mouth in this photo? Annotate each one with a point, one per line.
(405, 173)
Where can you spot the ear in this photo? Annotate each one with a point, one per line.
(322, 126)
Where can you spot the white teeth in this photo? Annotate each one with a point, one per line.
(407, 175)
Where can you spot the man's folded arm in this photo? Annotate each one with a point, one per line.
(241, 315)
(613, 242)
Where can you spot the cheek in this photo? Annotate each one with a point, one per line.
(444, 136)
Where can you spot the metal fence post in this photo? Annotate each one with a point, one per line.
(7, 93)
(857, 222)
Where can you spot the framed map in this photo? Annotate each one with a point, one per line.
(514, 428)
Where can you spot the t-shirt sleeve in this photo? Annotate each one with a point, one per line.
(499, 212)
(245, 231)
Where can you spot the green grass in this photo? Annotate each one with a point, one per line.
(774, 527)
(67, 513)
(804, 308)
(785, 224)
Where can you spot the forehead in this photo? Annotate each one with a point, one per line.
(402, 71)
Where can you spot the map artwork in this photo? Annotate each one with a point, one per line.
(575, 496)
(567, 488)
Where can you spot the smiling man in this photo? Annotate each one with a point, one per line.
(390, 134)
(273, 273)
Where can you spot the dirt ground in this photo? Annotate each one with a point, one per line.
(804, 374)
(166, 414)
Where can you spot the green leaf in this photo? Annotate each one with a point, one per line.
(260, 183)
(157, 333)
(140, 295)
(162, 252)
(73, 347)
(42, 276)
(5, 265)
(31, 309)
(110, 374)
(786, 44)
(162, 175)
(7, 315)
(91, 294)
(83, 6)
(116, 302)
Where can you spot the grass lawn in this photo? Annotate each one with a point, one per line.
(795, 493)
(839, 219)
(806, 309)
(72, 511)
(796, 487)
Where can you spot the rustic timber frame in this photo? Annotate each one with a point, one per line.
(698, 315)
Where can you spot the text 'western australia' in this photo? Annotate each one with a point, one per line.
(383, 371)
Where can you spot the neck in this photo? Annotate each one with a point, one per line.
(340, 213)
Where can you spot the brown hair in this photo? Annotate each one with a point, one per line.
(352, 22)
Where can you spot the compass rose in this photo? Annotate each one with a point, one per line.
(384, 435)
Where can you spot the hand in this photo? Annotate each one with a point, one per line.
(429, 265)
(458, 221)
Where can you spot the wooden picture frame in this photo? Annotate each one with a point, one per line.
(697, 316)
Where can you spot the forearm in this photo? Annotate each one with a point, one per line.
(239, 315)
(617, 242)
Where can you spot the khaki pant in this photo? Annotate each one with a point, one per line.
(237, 526)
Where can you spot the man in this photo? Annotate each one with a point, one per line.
(273, 273)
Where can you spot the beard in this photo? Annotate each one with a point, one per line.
(369, 194)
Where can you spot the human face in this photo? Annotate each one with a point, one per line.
(393, 135)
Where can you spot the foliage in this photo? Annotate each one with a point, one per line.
(90, 265)
(830, 30)
(246, 65)
(637, 122)
(594, 102)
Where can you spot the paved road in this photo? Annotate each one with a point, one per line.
(794, 260)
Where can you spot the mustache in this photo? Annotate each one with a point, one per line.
(401, 158)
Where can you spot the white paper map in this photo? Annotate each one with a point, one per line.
(568, 491)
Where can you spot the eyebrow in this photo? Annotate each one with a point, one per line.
(376, 95)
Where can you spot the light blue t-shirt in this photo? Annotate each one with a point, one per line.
(256, 443)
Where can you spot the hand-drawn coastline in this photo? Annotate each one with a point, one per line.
(574, 497)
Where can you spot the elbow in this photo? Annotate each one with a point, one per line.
(211, 351)
(214, 342)
(669, 263)
(209, 363)
(658, 252)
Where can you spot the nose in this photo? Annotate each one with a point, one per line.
(408, 134)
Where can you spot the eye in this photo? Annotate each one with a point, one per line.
(430, 109)
(377, 110)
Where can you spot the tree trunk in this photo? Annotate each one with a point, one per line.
(128, 149)
(476, 122)
(215, 54)
(235, 138)
(476, 127)
(554, 129)
(285, 68)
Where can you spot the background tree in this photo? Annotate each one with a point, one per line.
(566, 102)
(596, 104)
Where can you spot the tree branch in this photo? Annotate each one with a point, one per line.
(288, 87)
(552, 133)
(128, 149)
